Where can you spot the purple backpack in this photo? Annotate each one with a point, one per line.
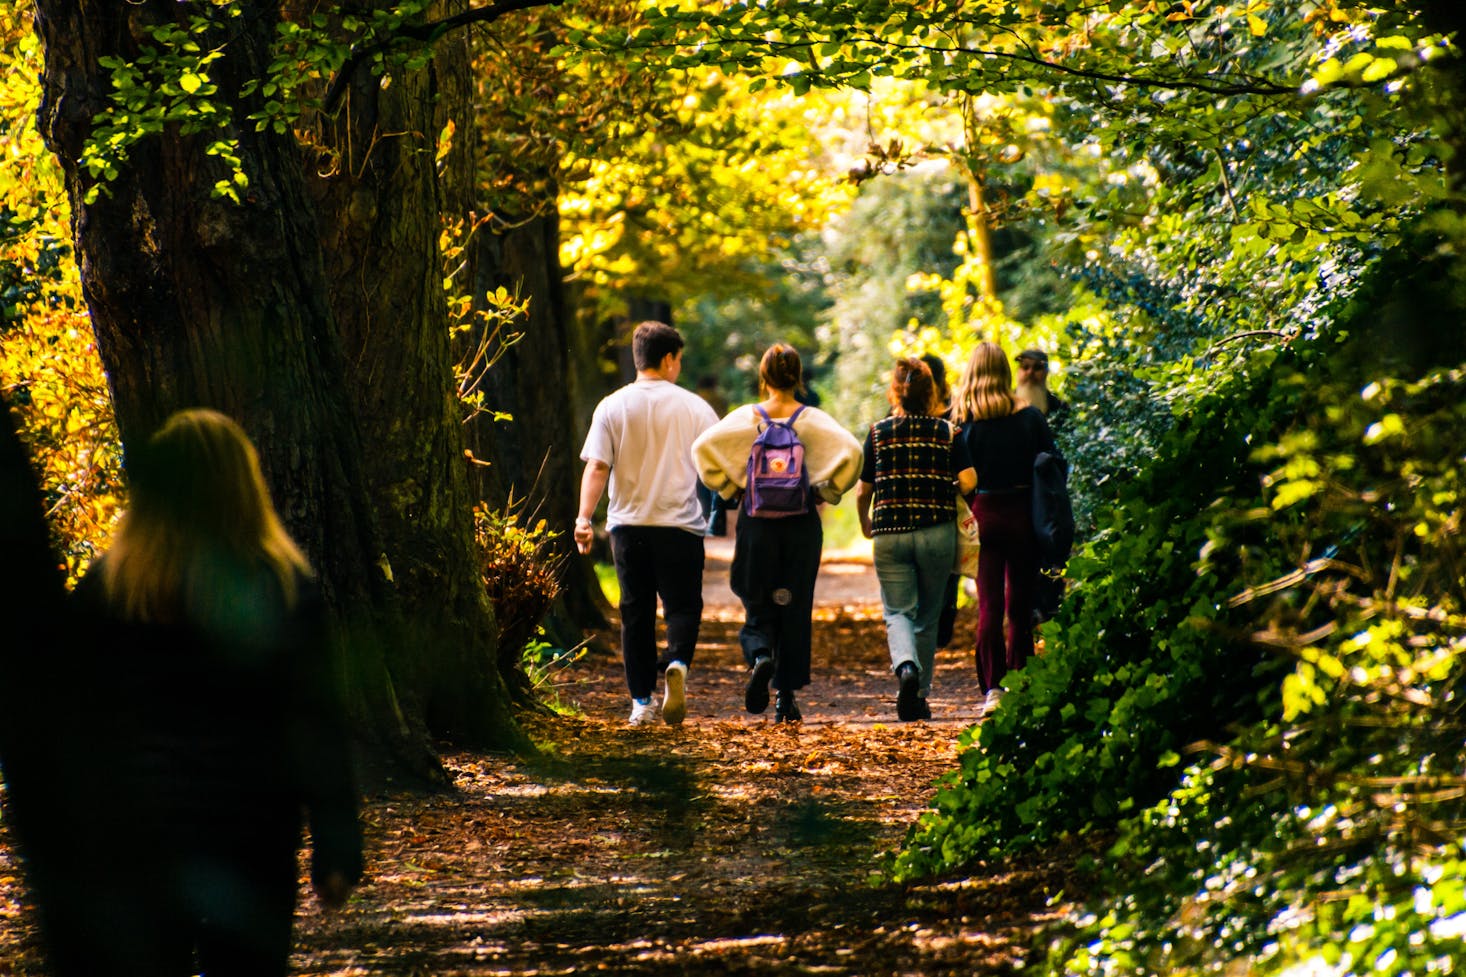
(778, 484)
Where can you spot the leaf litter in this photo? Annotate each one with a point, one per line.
(730, 843)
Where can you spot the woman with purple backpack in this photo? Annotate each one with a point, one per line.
(779, 459)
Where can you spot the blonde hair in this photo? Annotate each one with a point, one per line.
(985, 388)
(197, 494)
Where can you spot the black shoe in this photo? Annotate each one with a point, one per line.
(785, 710)
(906, 698)
(923, 709)
(756, 696)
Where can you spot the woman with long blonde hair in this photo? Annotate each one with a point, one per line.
(1003, 437)
(217, 719)
(199, 506)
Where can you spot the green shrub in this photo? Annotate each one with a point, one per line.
(1141, 659)
(521, 572)
(1328, 835)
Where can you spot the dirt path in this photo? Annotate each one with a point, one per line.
(729, 844)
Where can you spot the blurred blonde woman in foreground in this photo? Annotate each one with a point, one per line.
(216, 719)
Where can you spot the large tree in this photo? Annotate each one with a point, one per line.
(226, 264)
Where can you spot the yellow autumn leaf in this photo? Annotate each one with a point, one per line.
(190, 82)
(1257, 25)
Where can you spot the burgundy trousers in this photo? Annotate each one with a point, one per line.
(1007, 571)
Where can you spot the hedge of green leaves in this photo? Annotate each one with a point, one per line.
(1255, 691)
(1141, 662)
(1326, 836)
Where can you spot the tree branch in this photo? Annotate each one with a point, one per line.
(1250, 334)
(426, 33)
(1245, 86)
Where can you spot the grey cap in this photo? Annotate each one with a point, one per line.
(1037, 355)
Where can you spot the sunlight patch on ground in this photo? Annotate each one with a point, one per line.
(734, 791)
(456, 918)
(847, 612)
(738, 943)
(521, 790)
(837, 569)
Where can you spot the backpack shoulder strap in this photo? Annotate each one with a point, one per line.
(794, 416)
(763, 413)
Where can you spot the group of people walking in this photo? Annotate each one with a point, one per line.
(655, 445)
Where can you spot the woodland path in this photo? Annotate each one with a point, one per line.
(728, 845)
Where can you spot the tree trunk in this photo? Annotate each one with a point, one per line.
(381, 210)
(536, 456)
(198, 301)
(533, 459)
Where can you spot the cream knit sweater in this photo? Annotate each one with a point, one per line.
(831, 454)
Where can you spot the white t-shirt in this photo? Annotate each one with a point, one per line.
(644, 431)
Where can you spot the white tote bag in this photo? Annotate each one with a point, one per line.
(967, 540)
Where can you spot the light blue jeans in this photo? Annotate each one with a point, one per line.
(913, 568)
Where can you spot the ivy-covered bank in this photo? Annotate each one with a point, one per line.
(1252, 701)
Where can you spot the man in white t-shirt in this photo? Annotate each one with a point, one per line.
(640, 441)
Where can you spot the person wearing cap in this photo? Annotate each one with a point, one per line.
(1033, 386)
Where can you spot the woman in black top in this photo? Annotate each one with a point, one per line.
(217, 723)
(1003, 440)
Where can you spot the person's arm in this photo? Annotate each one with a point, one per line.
(834, 456)
(592, 487)
(962, 463)
(864, 491)
(720, 454)
(321, 751)
(966, 481)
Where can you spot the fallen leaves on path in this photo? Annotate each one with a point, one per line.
(728, 844)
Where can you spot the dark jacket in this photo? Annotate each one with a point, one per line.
(1053, 514)
(225, 726)
(212, 737)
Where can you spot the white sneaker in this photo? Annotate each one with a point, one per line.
(674, 703)
(642, 713)
(990, 703)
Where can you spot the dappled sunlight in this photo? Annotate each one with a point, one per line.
(727, 842)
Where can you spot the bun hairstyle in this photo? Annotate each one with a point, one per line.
(912, 390)
(939, 375)
(781, 368)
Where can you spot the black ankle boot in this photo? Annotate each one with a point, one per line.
(907, 693)
(756, 694)
(785, 709)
